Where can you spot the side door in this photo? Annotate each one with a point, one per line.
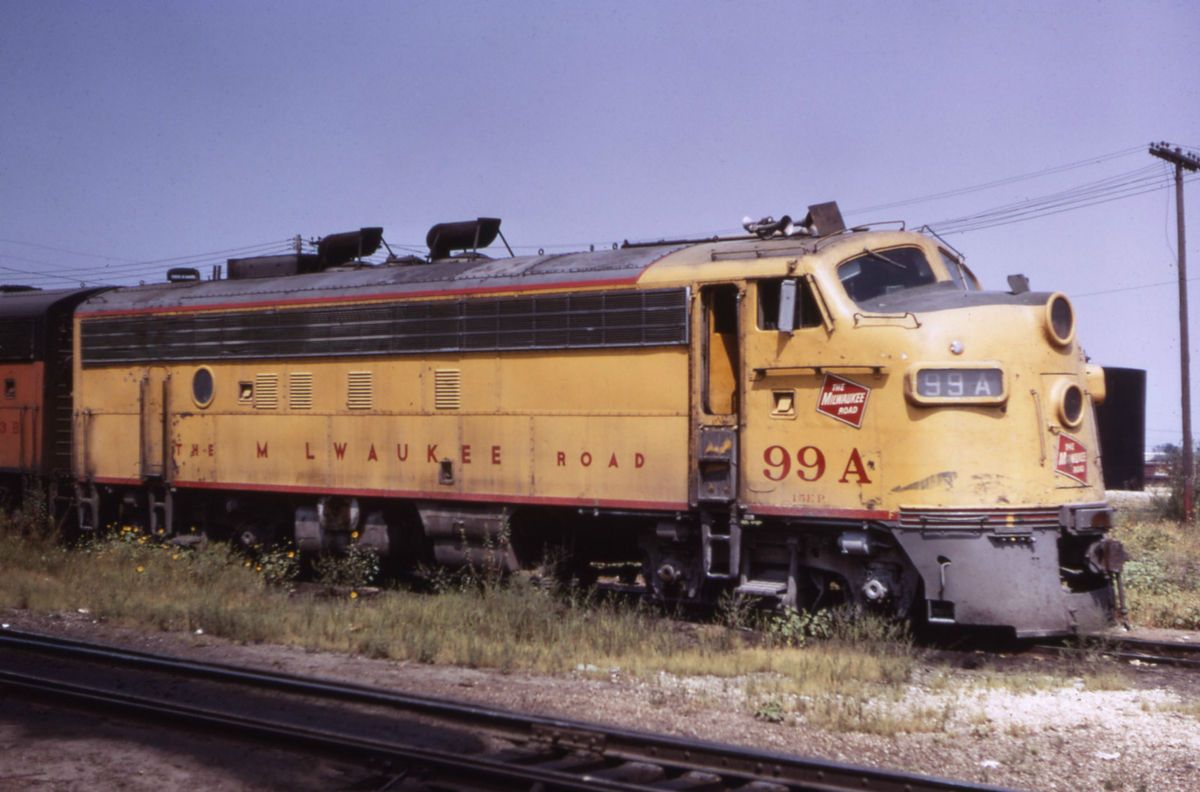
(717, 395)
(154, 423)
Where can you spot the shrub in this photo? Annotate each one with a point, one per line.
(1162, 577)
(358, 567)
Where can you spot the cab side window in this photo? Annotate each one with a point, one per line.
(805, 312)
(962, 277)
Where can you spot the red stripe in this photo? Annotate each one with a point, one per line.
(775, 511)
(848, 514)
(362, 298)
(433, 495)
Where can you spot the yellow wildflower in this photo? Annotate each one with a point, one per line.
(353, 595)
(141, 568)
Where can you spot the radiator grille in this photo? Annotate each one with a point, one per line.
(19, 339)
(1019, 519)
(266, 391)
(360, 390)
(447, 389)
(300, 390)
(564, 321)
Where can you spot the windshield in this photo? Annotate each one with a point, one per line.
(877, 273)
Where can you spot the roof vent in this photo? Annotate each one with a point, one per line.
(338, 249)
(273, 266)
(182, 275)
(332, 251)
(444, 238)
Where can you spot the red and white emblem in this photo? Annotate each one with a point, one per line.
(1071, 459)
(843, 400)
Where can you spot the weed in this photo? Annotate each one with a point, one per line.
(793, 628)
(280, 565)
(1190, 709)
(357, 568)
(770, 710)
(736, 611)
(1162, 577)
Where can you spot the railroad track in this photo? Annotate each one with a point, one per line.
(535, 753)
(1172, 653)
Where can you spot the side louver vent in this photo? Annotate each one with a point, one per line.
(266, 391)
(447, 389)
(300, 390)
(360, 393)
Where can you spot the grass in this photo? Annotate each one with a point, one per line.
(829, 672)
(1162, 577)
(849, 679)
(513, 625)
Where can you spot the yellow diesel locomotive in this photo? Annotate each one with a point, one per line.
(808, 413)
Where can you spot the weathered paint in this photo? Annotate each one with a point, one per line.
(572, 425)
(520, 430)
(21, 389)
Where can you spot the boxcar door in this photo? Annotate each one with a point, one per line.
(154, 445)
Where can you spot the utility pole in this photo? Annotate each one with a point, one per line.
(1183, 162)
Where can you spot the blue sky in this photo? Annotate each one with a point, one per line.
(138, 132)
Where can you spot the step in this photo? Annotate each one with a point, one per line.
(763, 588)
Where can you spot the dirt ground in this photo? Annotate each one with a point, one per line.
(1144, 736)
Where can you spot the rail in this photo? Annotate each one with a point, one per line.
(1142, 650)
(553, 753)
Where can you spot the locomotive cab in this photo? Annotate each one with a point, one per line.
(913, 442)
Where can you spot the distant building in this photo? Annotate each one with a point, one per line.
(1158, 468)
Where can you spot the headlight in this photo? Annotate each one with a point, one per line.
(1070, 405)
(1060, 319)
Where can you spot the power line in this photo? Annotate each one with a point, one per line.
(1001, 182)
(38, 274)
(1119, 289)
(1136, 177)
(62, 250)
(1032, 214)
(155, 264)
(128, 269)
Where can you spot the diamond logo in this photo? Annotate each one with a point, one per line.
(1071, 459)
(843, 400)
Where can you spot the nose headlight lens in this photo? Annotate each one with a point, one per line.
(1070, 406)
(1060, 320)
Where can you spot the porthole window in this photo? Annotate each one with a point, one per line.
(202, 387)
